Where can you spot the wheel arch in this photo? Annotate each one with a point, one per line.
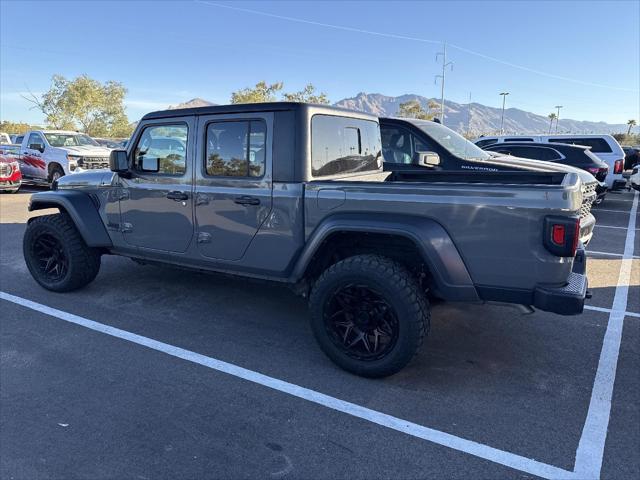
(404, 233)
(80, 208)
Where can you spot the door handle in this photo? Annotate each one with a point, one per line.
(177, 196)
(247, 200)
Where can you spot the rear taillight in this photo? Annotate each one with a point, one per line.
(561, 235)
(593, 170)
(617, 166)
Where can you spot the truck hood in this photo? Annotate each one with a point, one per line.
(89, 178)
(87, 151)
(537, 166)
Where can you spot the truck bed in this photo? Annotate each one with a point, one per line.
(495, 219)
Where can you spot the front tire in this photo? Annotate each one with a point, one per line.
(56, 255)
(369, 315)
(55, 173)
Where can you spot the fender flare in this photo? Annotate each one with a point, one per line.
(434, 243)
(82, 210)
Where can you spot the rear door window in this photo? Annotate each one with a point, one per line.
(341, 145)
(236, 148)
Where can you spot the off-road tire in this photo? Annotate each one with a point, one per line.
(55, 169)
(401, 292)
(83, 261)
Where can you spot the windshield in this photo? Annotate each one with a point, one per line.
(70, 140)
(453, 142)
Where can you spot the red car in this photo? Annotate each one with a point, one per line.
(10, 175)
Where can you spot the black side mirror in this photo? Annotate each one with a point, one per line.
(37, 146)
(118, 161)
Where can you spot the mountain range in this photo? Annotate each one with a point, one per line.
(477, 118)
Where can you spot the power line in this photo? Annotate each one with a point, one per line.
(417, 39)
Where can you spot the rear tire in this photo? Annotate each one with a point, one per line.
(56, 255)
(369, 315)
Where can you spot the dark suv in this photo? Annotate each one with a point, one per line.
(574, 155)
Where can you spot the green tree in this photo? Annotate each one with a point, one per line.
(308, 95)
(16, 127)
(95, 108)
(413, 109)
(552, 116)
(631, 123)
(259, 94)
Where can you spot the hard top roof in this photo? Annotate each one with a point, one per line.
(251, 107)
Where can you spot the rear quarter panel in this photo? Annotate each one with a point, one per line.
(497, 229)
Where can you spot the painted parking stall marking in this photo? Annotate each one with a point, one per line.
(590, 452)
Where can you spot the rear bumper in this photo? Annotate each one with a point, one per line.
(618, 184)
(567, 300)
(586, 228)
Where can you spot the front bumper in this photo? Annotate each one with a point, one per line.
(567, 300)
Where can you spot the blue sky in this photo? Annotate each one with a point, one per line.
(587, 54)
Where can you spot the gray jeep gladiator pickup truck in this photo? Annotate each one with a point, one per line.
(296, 193)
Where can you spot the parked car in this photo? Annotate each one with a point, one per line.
(605, 147)
(573, 155)
(4, 138)
(295, 193)
(631, 157)
(111, 143)
(47, 155)
(634, 179)
(16, 139)
(10, 175)
(411, 147)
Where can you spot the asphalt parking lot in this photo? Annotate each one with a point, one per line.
(152, 372)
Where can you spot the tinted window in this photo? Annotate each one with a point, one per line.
(344, 145)
(19, 139)
(535, 153)
(482, 143)
(236, 149)
(35, 138)
(518, 139)
(167, 143)
(396, 145)
(598, 145)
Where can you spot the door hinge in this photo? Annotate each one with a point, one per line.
(126, 227)
(204, 237)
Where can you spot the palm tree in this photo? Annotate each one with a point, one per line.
(631, 123)
(552, 116)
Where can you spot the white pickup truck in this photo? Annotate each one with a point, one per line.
(46, 155)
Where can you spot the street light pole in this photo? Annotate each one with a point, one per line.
(558, 116)
(504, 98)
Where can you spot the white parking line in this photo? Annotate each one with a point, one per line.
(612, 226)
(608, 310)
(595, 252)
(435, 436)
(597, 210)
(590, 452)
